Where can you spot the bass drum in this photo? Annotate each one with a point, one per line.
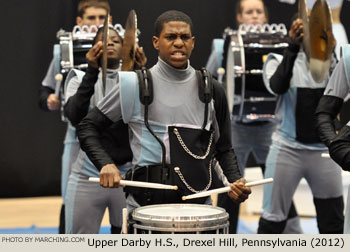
(245, 51)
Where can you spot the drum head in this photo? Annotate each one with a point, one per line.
(180, 217)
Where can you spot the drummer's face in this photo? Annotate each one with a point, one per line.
(92, 16)
(175, 43)
(114, 45)
(252, 12)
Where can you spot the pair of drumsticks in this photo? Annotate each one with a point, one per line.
(172, 187)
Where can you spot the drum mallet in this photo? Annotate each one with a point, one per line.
(325, 155)
(225, 189)
(140, 184)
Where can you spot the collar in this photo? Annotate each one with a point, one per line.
(172, 73)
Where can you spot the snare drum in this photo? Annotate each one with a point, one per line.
(180, 218)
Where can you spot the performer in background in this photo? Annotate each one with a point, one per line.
(90, 13)
(250, 133)
(327, 110)
(86, 201)
(174, 108)
(296, 150)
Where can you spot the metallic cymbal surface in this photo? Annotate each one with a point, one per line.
(128, 50)
(322, 41)
(104, 55)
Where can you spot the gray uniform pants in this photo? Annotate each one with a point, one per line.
(86, 204)
(288, 166)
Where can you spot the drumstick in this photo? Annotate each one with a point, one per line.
(325, 155)
(58, 78)
(225, 189)
(140, 184)
(125, 221)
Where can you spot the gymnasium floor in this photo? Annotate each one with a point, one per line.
(40, 216)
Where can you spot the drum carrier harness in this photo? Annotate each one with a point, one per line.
(191, 152)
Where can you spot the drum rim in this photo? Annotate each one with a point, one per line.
(182, 229)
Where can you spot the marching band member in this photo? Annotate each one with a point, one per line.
(249, 135)
(90, 12)
(296, 149)
(172, 136)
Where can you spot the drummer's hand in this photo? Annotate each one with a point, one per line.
(53, 103)
(110, 176)
(296, 31)
(93, 55)
(140, 56)
(239, 192)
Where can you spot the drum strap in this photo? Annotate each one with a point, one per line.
(204, 78)
(205, 93)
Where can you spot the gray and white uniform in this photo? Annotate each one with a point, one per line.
(176, 103)
(87, 201)
(253, 137)
(71, 144)
(296, 152)
(339, 85)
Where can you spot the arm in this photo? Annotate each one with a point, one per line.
(77, 105)
(331, 103)
(89, 132)
(326, 112)
(48, 101)
(280, 81)
(339, 148)
(224, 152)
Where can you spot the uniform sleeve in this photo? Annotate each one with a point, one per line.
(48, 85)
(89, 132)
(339, 148)
(78, 96)
(44, 93)
(331, 103)
(224, 151)
(280, 80)
(100, 118)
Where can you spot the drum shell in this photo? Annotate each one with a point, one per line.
(202, 219)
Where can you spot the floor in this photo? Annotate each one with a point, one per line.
(41, 214)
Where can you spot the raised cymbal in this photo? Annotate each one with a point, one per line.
(128, 50)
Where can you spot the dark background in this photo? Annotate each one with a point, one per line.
(31, 141)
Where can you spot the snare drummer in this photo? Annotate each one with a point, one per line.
(176, 105)
(253, 135)
(90, 12)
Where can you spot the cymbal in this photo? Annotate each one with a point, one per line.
(322, 41)
(129, 44)
(104, 55)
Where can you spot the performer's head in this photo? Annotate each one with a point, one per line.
(251, 12)
(173, 38)
(92, 12)
(114, 46)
